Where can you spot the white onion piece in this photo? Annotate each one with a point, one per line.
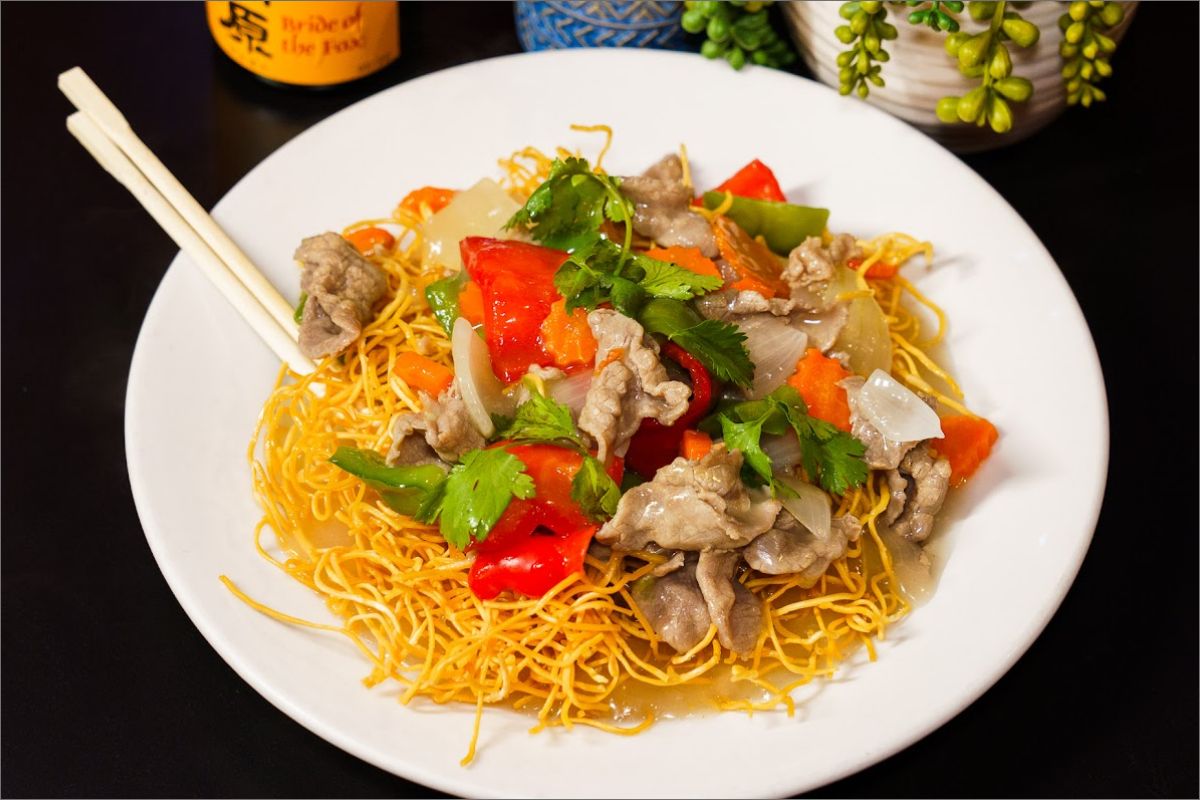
(811, 507)
(896, 411)
(774, 346)
(481, 390)
(481, 210)
(784, 451)
(571, 391)
(865, 337)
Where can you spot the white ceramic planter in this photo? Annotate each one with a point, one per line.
(920, 72)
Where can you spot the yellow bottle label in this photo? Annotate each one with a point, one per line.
(307, 43)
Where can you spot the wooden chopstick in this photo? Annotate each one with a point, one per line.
(105, 151)
(106, 134)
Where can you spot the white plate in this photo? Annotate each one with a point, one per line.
(1018, 342)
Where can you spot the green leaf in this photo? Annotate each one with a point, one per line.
(299, 315)
(475, 494)
(570, 205)
(719, 346)
(594, 490)
(746, 436)
(541, 419)
(827, 454)
(667, 280)
(627, 296)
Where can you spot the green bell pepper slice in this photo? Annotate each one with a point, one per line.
(402, 488)
(782, 225)
(442, 297)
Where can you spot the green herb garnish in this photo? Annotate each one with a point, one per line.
(829, 455)
(543, 420)
(719, 346)
(594, 490)
(478, 489)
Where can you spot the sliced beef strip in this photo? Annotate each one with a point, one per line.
(910, 511)
(822, 327)
(693, 506)
(408, 449)
(811, 266)
(789, 547)
(342, 288)
(662, 208)
(732, 305)
(448, 430)
(631, 386)
(733, 608)
(674, 607)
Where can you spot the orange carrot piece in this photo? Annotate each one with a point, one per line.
(880, 270)
(613, 355)
(690, 258)
(757, 267)
(968, 442)
(423, 374)
(470, 303)
(567, 337)
(695, 445)
(816, 380)
(364, 240)
(433, 197)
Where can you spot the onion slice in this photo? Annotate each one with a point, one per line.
(571, 391)
(481, 390)
(775, 345)
(896, 411)
(811, 507)
(784, 451)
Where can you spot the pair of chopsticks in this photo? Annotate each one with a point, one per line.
(105, 133)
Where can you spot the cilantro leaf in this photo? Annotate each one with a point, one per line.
(570, 205)
(594, 490)
(474, 495)
(719, 346)
(829, 455)
(542, 419)
(745, 436)
(667, 280)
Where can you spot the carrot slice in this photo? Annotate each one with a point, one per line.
(423, 374)
(690, 258)
(695, 445)
(757, 267)
(567, 337)
(880, 270)
(470, 303)
(364, 240)
(967, 443)
(430, 196)
(816, 380)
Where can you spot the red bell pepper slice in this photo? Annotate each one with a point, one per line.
(755, 181)
(537, 542)
(655, 445)
(517, 282)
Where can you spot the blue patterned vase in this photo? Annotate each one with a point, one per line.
(558, 24)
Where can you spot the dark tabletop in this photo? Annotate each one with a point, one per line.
(108, 689)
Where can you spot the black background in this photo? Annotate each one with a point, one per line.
(108, 689)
